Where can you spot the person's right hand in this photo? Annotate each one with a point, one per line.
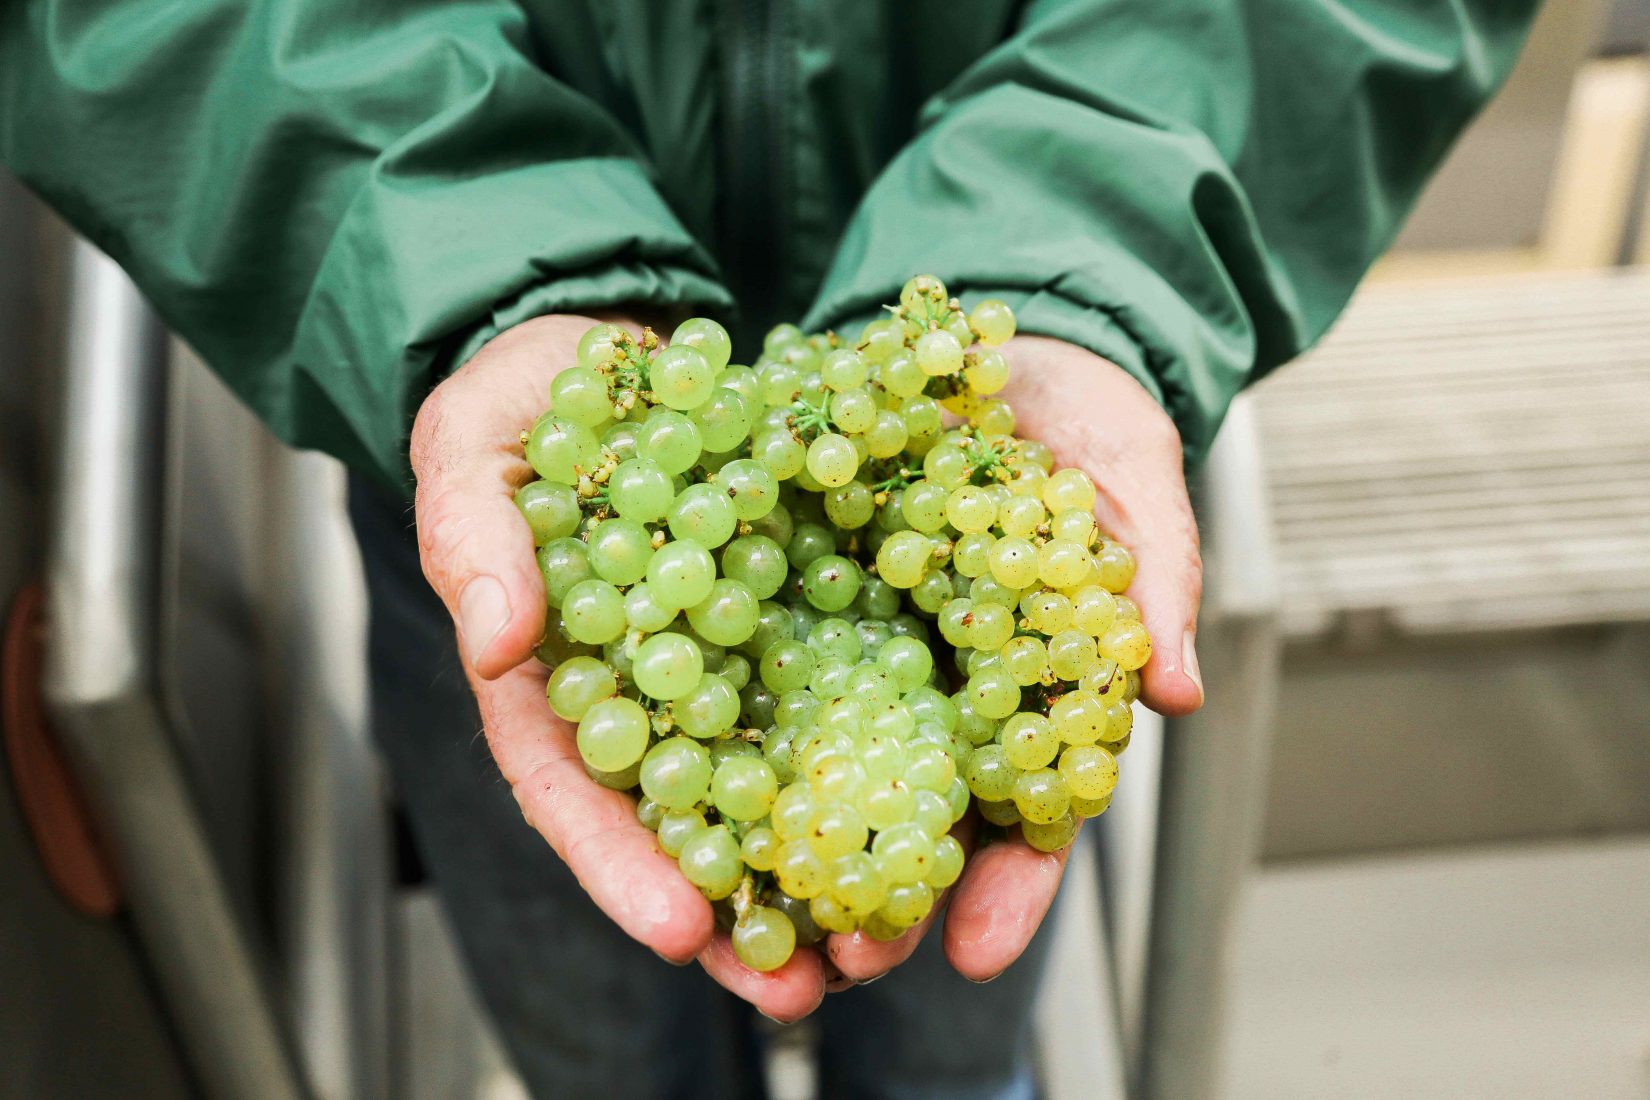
(478, 555)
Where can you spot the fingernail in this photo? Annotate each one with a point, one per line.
(985, 981)
(670, 960)
(773, 1019)
(874, 978)
(1188, 660)
(483, 613)
(837, 985)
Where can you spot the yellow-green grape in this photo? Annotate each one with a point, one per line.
(947, 864)
(971, 556)
(939, 353)
(954, 620)
(705, 514)
(1047, 612)
(880, 339)
(853, 411)
(970, 509)
(750, 486)
(613, 734)
(1001, 813)
(886, 803)
(1131, 686)
(682, 377)
(856, 885)
(620, 550)
(560, 450)
(992, 321)
(1127, 610)
(1093, 609)
(994, 418)
(743, 788)
(1068, 488)
(1105, 679)
(921, 293)
(924, 421)
(1020, 516)
(832, 460)
(1079, 717)
(593, 612)
(780, 451)
(1119, 722)
(887, 434)
(640, 490)
(710, 860)
(931, 593)
(676, 827)
(956, 323)
(676, 773)
(551, 511)
(1061, 564)
(1028, 481)
(709, 337)
(1089, 807)
(931, 768)
(836, 830)
(989, 774)
(1014, 562)
(578, 684)
(843, 369)
(1026, 660)
(904, 853)
(1116, 567)
(1052, 836)
(901, 376)
(924, 505)
(1089, 771)
(1029, 741)
(800, 871)
(681, 574)
(903, 558)
(670, 439)
(1073, 525)
(991, 627)
(831, 915)
(724, 421)
(1071, 653)
(1041, 796)
(760, 848)
(907, 904)
(763, 939)
(791, 812)
(985, 371)
(601, 345)
(1127, 643)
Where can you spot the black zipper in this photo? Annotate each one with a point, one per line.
(751, 210)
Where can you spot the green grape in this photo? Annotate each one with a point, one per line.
(831, 582)
(1073, 525)
(670, 439)
(856, 885)
(939, 353)
(563, 563)
(991, 628)
(1089, 771)
(781, 452)
(807, 932)
(843, 369)
(872, 686)
(1119, 723)
(850, 506)
(579, 684)
(764, 938)
(750, 486)
(1068, 488)
(932, 592)
(744, 788)
(773, 623)
(1062, 564)
(956, 323)
(853, 411)
(904, 853)
(1025, 660)
(1029, 741)
(795, 708)
(886, 803)
(601, 345)
(681, 574)
(1127, 643)
(780, 339)
(676, 827)
(989, 774)
(1071, 653)
(924, 420)
(887, 434)
(780, 384)
(929, 706)
(667, 666)
(559, 450)
(946, 466)
(999, 813)
(907, 904)
(800, 871)
(710, 860)
(724, 420)
(877, 600)
(580, 394)
(613, 734)
(649, 812)
(901, 375)
(832, 460)
(1020, 516)
(620, 550)
(989, 590)
(593, 612)
(551, 511)
(676, 773)
(1093, 610)
(642, 611)
(704, 514)
(836, 830)
(1047, 612)
(1051, 837)
(1078, 717)
(723, 749)
(787, 666)
(640, 490)
(1127, 609)
(903, 558)
(776, 525)
(835, 638)
(931, 812)
(738, 378)
(908, 661)
(830, 914)
(993, 693)
(728, 615)
(947, 865)
(985, 371)
(971, 556)
(970, 509)
(682, 377)
(760, 848)
(881, 338)
(1041, 796)
(1014, 562)
(809, 542)
(1089, 807)
(706, 335)
(709, 710)
(620, 439)
(830, 678)
(992, 321)
(792, 810)
(757, 562)
(923, 504)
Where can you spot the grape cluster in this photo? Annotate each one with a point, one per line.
(810, 625)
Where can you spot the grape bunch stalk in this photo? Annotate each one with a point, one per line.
(810, 625)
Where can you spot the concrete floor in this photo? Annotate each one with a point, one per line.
(1507, 972)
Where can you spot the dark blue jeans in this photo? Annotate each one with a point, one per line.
(583, 1009)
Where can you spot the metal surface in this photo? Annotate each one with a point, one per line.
(102, 578)
(1213, 779)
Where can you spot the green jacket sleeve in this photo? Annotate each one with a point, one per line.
(332, 202)
(1191, 188)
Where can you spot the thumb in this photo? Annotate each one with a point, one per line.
(476, 549)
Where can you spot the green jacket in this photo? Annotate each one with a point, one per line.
(335, 202)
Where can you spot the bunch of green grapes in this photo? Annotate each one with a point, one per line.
(808, 625)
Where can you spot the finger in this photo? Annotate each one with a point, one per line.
(593, 829)
(998, 905)
(786, 994)
(466, 453)
(863, 959)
